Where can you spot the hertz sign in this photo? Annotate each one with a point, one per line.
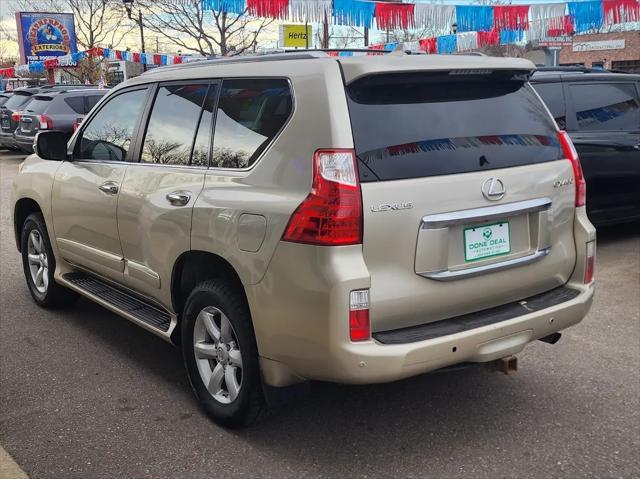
(295, 36)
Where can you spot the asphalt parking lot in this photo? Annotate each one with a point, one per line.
(85, 394)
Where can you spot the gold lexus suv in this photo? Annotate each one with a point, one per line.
(298, 216)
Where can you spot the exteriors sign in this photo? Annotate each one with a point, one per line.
(42, 36)
(599, 45)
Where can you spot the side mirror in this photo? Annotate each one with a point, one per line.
(51, 145)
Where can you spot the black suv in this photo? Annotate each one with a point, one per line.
(54, 110)
(601, 112)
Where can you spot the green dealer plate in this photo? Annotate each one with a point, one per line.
(485, 241)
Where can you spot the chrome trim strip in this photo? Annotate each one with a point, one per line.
(442, 220)
(449, 275)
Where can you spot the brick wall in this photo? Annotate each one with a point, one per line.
(631, 50)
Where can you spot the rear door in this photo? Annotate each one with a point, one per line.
(162, 185)
(468, 203)
(604, 124)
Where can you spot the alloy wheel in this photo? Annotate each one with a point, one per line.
(38, 263)
(217, 353)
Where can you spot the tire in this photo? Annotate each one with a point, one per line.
(224, 372)
(46, 293)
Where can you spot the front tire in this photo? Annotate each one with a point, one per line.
(39, 265)
(220, 354)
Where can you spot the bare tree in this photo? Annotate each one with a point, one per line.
(208, 33)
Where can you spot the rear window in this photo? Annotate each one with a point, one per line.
(38, 105)
(417, 125)
(17, 100)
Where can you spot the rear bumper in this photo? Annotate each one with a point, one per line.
(299, 314)
(24, 142)
(376, 362)
(7, 139)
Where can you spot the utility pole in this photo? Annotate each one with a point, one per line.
(325, 31)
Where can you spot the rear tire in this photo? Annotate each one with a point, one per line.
(220, 354)
(39, 265)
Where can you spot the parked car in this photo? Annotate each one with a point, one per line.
(55, 110)
(601, 112)
(9, 117)
(10, 111)
(299, 217)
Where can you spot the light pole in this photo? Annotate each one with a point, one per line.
(128, 6)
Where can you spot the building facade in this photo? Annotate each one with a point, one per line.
(612, 51)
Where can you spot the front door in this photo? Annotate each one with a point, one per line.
(86, 189)
(162, 185)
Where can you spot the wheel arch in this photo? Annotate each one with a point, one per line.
(22, 209)
(193, 267)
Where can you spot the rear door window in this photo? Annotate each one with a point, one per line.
(417, 125)
(250, 114)
(605, 106)
(173, 124)
(553, 96)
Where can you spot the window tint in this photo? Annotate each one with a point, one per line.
(410, 126)
(76, 103)
(605, 106)
(108, 135)
(173, 124)
(200, 155)
(16, 101)
(91, 101)
(553, 97)
(250, 114)
(38, 104)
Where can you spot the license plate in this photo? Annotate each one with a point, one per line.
(485, 241)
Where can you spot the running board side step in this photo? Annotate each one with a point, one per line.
(136, 310)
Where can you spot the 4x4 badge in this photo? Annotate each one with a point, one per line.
(493, 189)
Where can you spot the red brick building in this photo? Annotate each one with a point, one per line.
(617, 51)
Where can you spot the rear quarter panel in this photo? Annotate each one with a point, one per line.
(281, 179)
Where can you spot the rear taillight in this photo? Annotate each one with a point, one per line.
(331, 215)
(571, 154)
(15, 116)
(76, 123)
(359, 327)
(46, 123)
(590, 261)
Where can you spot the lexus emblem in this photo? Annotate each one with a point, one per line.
(493, 189)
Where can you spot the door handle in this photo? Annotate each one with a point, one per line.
(109, 188)
(179, 198)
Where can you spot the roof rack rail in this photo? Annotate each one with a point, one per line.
(267, 56)
(576, 68)
(306, 55)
